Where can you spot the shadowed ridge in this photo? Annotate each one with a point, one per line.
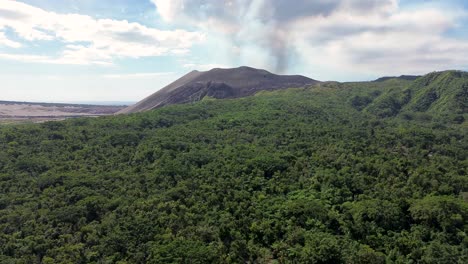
(161, 96)
(218, 83)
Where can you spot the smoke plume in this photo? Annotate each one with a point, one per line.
(266, 24)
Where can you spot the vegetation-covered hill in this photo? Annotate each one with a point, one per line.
(438, 93)
(330, 174)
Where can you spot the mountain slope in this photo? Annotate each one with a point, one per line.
(286, 176)
(220, 84)
(440, 92)
(437, 93)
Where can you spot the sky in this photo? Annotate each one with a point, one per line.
(125, 50)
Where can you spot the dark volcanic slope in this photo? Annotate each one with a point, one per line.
(220, 84)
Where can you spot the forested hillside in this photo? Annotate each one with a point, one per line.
(338, 173)
(438, 93)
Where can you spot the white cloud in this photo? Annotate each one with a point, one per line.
(401, 42)
(90, 40)
(360, 36)
(204, 67)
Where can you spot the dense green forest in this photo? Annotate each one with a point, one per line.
(373, 172)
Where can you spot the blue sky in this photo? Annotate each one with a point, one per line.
(124, 50)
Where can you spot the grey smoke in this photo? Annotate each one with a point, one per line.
(265, 22)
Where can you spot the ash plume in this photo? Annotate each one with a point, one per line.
(265, 24)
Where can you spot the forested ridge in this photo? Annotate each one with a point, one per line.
(371, 172)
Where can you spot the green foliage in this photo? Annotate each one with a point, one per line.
(390, 103)
(313, 175)
(440, 92)
(444, 94)
(442, 212)
(360, 102)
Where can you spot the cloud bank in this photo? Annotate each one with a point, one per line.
(352, 35)
(86, 40)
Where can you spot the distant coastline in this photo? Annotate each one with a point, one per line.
(65, 103)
